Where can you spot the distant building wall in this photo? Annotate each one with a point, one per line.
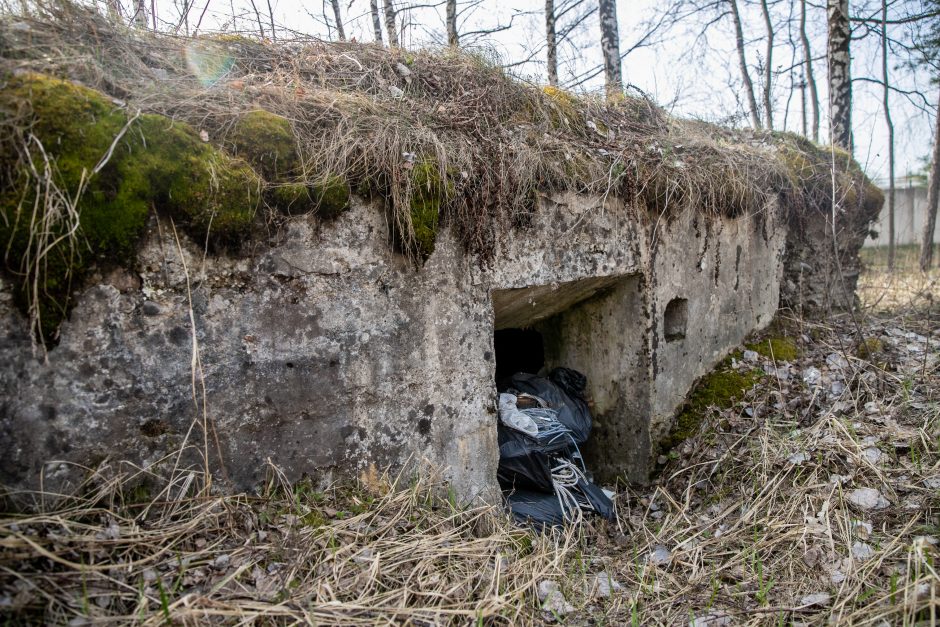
(910, 212)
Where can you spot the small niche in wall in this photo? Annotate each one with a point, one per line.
(676, 319)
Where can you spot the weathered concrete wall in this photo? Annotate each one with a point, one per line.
(910, 213)
(331, 355)
(728, 270)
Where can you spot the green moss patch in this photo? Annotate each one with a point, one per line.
(869, 347)
(720, 389)
(429, 191)
(330, 196)
(143, 162)
(267, 141)
(778, 348)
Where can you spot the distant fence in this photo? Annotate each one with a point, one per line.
(910, 211)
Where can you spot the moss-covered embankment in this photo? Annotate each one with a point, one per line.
(83, 172)
(725, 386)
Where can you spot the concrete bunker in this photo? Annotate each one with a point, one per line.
(393, 353)
(597, 326)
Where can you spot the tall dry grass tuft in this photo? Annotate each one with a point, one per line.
(390, 552)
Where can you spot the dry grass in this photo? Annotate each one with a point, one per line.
(906, 290)
(370, 114)
(386, 553)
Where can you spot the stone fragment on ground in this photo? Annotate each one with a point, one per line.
(818, 598)
(602, 585)
(552, 599)
(660, 556)
(867, 499)
(862, 551)
(714, 619)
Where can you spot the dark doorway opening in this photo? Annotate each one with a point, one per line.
(596, 326)
(517, 350)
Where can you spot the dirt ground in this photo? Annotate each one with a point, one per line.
(813, 498)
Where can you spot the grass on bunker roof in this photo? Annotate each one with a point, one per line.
(815, 499)
(374, 116)
(434, 138)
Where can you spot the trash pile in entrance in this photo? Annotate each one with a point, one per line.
(542, 422)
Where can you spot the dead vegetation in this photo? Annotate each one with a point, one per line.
(382, 553)
(441, 138)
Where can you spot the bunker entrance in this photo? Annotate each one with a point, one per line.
(596, 327)
(517, 350)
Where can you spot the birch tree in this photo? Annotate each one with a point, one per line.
(390, 27)
(338, 20)
(840, 74)
(453, 38)
(551, 43)
(742, 64)
(610, 47)
(141, 19)
(809, 77)
(376, 21)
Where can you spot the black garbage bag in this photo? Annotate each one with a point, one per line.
(536, 509)
(571, 381)
(602, 505)
(523, 462)
(572, 409)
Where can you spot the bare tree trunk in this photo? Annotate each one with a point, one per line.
(390, 24)
(610, 46)
(114, 9)
(768, 69)
(933, 195)
(840, 75)
(804, 128)
(376, 22)
(890, 124)
(271, 17)
(338, 18)
(809, 77)
(258, 17)
(742, 62)
(453, 38)
(141, 19)
(551, 44)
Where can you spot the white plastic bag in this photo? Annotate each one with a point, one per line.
(514, 418)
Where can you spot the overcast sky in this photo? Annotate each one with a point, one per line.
(692, 75)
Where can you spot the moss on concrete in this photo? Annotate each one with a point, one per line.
(720, 389)
(330, 196)
(156, 163)
(290, 198)
(267, 141)
(428, 192)
(778, 348)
